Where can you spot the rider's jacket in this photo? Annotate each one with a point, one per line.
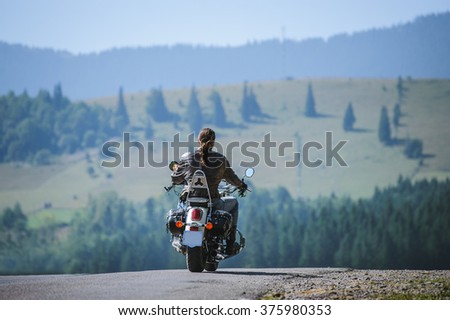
(217, 168)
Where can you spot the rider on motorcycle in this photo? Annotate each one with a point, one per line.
(216, 167)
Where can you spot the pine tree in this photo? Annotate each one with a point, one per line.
(121, 119)
(384, 128)
(349, 118)
(250, 108)
(194, 113)
(413, 149)
(219, 117)
(245, 105)
(156, 107)
(255, 108)
(310, 105)
(400, 90)
(59, 101)
(397, 115)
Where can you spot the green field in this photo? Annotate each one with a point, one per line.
(67, 185)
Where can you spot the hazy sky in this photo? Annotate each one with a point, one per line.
(82, 26)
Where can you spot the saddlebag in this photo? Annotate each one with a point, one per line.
(173, 216)
(221, 221)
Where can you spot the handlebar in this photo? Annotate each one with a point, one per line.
(229, 189)
(169, 187)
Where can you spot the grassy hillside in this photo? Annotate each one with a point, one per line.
(426, 108)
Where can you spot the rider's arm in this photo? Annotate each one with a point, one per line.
(231, 177)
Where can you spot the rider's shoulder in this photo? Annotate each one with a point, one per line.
(186, 156)
(217, 159)
(216, 155)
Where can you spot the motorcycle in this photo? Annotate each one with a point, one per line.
(198, 231)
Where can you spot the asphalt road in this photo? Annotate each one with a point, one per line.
(153, 285)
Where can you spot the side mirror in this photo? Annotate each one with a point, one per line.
(173, 165)
(249, 172)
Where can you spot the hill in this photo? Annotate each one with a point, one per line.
(419, 49)
(68, 184)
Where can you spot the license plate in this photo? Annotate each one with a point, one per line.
(192, 238)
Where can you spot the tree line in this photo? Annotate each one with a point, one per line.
(419, 49)
(402, 226)
(33, 129)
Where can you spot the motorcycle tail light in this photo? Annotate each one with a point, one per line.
(179, 224)
(196, 214)
(209, 226)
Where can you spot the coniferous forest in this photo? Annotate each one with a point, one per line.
(33, 129)
(403, 226)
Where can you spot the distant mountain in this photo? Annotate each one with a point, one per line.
(419, 49)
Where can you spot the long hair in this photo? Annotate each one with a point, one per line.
(206, 138)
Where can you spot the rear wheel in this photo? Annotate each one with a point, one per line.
(195, 260)
(211, 266)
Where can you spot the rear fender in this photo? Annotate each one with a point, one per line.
(193, 233)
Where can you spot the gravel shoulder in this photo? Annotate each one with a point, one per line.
(349, 284)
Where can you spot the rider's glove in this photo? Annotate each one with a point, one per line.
(243, 189)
